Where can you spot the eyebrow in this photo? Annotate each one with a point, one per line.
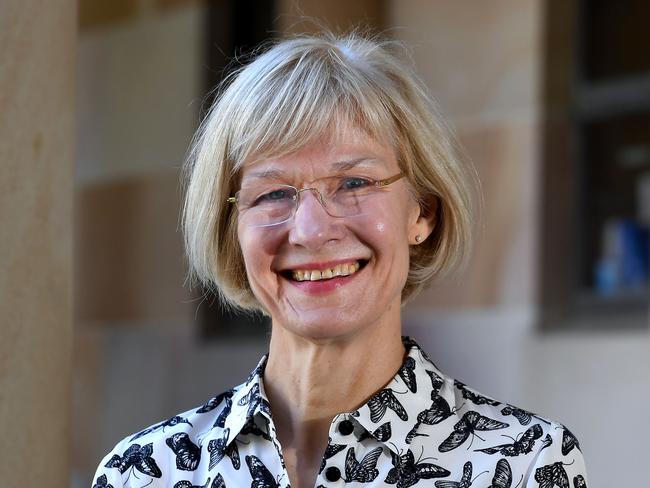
(338, 166)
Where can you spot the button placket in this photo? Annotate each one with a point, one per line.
(332, 474)
(340, 432)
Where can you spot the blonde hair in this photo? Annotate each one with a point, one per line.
(292, 94)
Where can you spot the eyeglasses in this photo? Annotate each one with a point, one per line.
(270, 204)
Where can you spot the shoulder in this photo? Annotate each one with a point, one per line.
(193, 423)
(529, 446)
(559, 460)
(166, 446)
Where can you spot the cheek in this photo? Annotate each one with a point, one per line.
(269, 241)
(259, 246)
(390, 224)
(389, 235)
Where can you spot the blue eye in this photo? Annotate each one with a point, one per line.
(354, 183)
(279, 195)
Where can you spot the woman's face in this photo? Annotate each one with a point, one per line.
(377, 242)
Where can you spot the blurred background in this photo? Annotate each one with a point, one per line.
(550, 100)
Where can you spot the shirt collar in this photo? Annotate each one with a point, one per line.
(417, 387)
(250, 406)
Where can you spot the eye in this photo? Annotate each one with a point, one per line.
(274, 196)
(354, 183)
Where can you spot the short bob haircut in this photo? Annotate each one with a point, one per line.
(293, 93)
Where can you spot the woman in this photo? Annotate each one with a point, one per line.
(324, 191)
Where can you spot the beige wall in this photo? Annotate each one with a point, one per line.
(37, 40)
(139, 95)
(299, 16)
(482, 65)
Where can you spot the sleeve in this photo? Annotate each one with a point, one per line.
(109, 477)
(558, 463)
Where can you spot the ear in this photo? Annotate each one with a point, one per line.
(423, 220)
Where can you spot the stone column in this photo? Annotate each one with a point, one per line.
(37, 72)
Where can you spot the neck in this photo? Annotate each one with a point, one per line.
(308, 382)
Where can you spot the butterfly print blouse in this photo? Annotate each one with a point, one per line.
(423, 429)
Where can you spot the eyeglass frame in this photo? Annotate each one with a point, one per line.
(383, 183)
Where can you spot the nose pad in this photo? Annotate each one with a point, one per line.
(317, 195)
(312, 226)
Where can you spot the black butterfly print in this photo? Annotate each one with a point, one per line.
(436, 413)
(262, 477)
(218, 482)
(406, 472)
(252, 399)
(167, 423)
(232, 451)
(221, 419)
(188, 454)
(218, 448)
(383, 400)
(216, 401)
(265, 406)
(552, 475)
(407, 373)
(381, 433)
(465, 481)
(523, 416)
(475, 398)
(102, 482)
(436, 382)
(136, 457)
(569, 441)
(524, 445)
(502, 475)
(469, 424)
(250, 427)
(363, 471)
(330, 450)
(408, 342)
(188, 484)
(579, 482)
(548, 440)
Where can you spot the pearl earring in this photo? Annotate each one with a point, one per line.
(418, 238)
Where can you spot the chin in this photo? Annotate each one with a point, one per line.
(324, 326)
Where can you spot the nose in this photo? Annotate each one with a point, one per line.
(312, 226)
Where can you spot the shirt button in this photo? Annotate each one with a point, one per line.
(333, 473)
(346, 427)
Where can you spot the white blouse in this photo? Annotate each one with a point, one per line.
(423, 426)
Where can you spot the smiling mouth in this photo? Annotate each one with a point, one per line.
(345, 269)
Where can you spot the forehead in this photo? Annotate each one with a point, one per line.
(351, 150)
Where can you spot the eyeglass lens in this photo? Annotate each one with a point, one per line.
(270, 204)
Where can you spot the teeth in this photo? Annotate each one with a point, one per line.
(326, 274)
